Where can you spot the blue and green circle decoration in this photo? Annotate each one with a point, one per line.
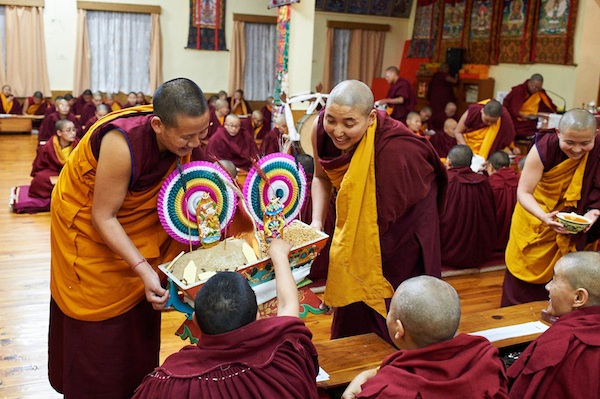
(181, 192)
(287, 181)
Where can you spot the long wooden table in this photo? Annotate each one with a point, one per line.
(17, 123)
(344, 358)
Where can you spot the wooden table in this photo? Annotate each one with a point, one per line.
(17, 123)
(503, 317)
(344, 358)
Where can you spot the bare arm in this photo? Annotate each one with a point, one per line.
(25, 106)
(288, 303)
(530, 177)
(460, 128)
(321, 187)
(396, 100)
(112, 183)
(354, 387)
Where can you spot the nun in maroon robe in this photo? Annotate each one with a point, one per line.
(47, 128)
(504, 184)
(563, 362)
(239, 149)
(268, 358)
(466, 366)
(402, 88)
(82, 100)
(411, 184)
(468, 225)
(441, 91)
(506, 132)
(513, 103)
(45, 165)
(271, 142)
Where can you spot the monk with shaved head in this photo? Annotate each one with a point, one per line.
(561, 174)
(433, 362)
(389, 183)
(486, 127)
(564, 362)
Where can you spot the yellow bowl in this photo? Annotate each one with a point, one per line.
(573, 222)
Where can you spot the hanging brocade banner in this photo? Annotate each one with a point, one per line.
(207, 25)
(283, 41)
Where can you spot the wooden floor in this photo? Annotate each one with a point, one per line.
(25, 294)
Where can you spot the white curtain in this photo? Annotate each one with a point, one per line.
(341, 43)
(3, 44)
(120, 51)
(261, 57)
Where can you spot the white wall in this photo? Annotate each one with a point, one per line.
(211, 69)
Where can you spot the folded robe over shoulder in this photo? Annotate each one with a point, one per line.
(477, 134)
(268, 358)
(536, 103)
(464, 367)
(563, 362)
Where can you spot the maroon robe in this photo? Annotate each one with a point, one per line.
(440, 92)
(402, 88)
(506, 133)
(87, 113)
(45, 165)
(239, 149)
(563, 362)
(504, 186)
(267, 117)
(214, 124)
(411, 184)
(268, 358)
(270, 143)
(41, 110)
(515, 291)
(17, 107)
(79, 104)
(199, 154)
(264, 129)
(466, 366)
(442, 143)
(513, 103)
(468, 226)
(48, 127)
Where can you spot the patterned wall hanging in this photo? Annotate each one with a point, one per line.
(483, 32)
(207, 25)
(452, 27)
(553, 38)
(425, 31)
(383, 8)
(516, 32)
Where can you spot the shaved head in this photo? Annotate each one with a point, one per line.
(429, 309)
(536, 77)
(499, 160)
(579, 120)
(354, 94)
(460, 155)
(582, 270)
(493, 108)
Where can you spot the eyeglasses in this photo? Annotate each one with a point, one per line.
(233, 126)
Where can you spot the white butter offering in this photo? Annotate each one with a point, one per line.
(249, 253)
(189, 273)
(205, 275)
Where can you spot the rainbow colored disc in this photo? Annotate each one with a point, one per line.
(287, 181)
(177, 205)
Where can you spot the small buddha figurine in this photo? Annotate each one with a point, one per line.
(274, 220)
(207, 217)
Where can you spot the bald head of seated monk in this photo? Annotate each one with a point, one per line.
(257, 119)
(459, 156)
(221, 108)
(497, 161)
(549, 365)
(229, 167)
(491, 112)
(433, 361)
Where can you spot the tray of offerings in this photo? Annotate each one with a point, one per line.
(236, 255)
